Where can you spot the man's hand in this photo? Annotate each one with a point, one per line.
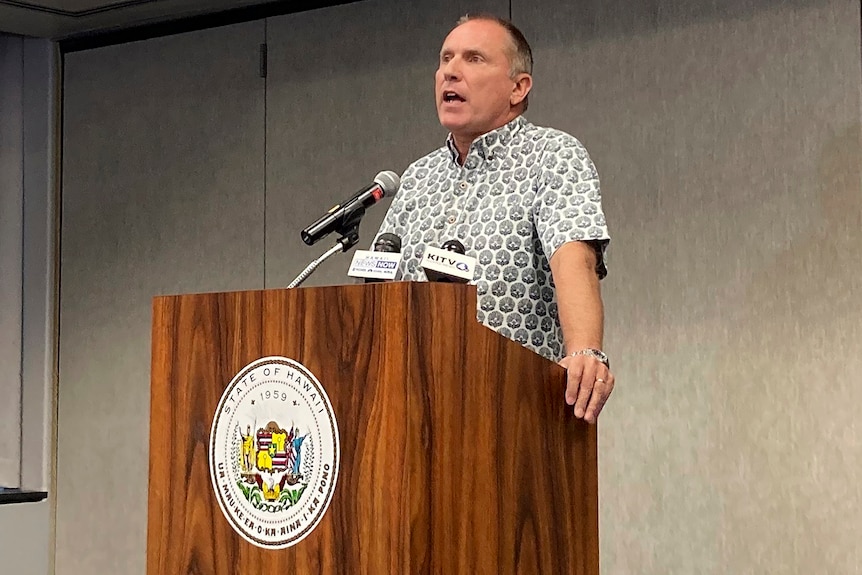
(588, 385)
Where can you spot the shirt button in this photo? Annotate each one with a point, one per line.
(463, 185)
(452, 219)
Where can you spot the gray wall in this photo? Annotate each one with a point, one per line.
(728, 142)
(727, 137)
(162, 193)
(11, 255)
(25, 538)
(28, 73)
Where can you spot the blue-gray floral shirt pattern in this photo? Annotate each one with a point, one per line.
(522, 192)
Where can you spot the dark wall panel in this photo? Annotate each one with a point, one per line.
(350, 92)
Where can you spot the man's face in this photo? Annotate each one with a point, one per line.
(472, 85)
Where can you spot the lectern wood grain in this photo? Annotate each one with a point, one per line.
(459, 455)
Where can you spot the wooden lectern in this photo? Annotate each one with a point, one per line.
(458, 453)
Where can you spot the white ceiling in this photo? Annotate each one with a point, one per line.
(59, 19)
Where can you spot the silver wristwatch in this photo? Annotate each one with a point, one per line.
(596, 353)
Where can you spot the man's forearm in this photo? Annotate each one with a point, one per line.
(579, 300)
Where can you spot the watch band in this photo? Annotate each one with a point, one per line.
(596, 353)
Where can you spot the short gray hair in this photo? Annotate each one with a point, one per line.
(521, 56)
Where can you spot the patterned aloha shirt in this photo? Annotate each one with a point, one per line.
(522, 192)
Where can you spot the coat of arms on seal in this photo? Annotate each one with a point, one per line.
(274, 452)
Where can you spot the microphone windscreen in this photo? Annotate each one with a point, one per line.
(388, 243)
(389, 182)
(454, 246)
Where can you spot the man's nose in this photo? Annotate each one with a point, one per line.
(451, 70)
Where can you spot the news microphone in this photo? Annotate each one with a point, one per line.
(387, 242)
(378, 265)
(448, 264)
(343, 217)
(454, 246)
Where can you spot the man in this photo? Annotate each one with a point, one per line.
(523, 200)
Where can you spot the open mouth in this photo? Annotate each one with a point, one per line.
(450, 97)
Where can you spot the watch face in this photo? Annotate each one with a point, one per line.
(596, 353)
(599, 355)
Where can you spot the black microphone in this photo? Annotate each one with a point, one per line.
(378, 265)
(448, 264)
(390, 244)
(342, 217)
(454, 246)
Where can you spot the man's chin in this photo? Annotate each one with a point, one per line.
(450, 122)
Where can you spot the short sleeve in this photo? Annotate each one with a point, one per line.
(568, 202)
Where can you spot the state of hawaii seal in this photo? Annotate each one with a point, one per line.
(274, 452)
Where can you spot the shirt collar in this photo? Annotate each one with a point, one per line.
(483, 144)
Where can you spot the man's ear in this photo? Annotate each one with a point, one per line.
(523, 85)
